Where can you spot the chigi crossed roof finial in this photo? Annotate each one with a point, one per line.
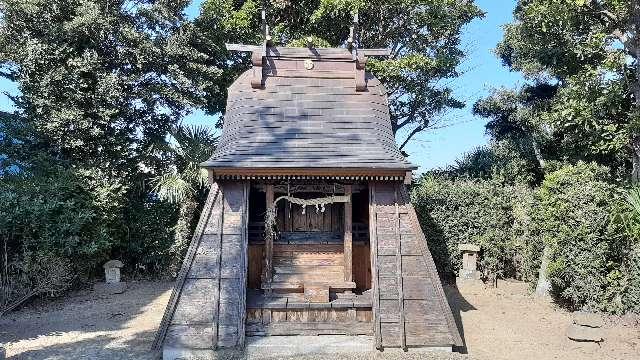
(351, 53)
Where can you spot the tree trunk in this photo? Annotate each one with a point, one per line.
(543, 287)
(635, 51)
(538, 154)
(635, 158)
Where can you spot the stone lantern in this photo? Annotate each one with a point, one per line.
(469, 270)
(112, 284)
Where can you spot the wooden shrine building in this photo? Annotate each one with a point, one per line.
(307, 229)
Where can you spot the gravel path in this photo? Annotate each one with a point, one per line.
(503, 323)
(87, 325)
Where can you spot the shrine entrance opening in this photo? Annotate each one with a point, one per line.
(309, 268)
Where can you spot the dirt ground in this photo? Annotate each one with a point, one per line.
(508, 323)
(502, 323)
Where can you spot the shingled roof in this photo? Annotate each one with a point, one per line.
(305, 112)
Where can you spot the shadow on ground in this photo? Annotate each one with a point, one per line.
(458, 305)
(88, 325)
(97, 347)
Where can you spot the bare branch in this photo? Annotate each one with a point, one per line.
(609, 15)
(404, 123)
(411, 134)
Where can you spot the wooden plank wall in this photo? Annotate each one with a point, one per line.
(409, 305)
(292, 218)
(210, 310)
(254, 268)
(319, 321)
(362, 266)
(209, 211)
(308, 263)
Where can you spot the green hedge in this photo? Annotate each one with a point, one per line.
(591, 229)
(482, 212)
(87, 219)
(70, 214)
(574, 213)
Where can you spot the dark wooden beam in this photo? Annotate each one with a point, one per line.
(328, 172)
(310, 186)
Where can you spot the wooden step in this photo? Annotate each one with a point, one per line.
(277, 285)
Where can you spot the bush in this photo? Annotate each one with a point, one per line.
(631, 295)
(70, 214)
(482, 212)
(574, 222)
(31, 275)
(592, 232)
(54, 226)
(627, 279)
(150, 237)
(84, 218)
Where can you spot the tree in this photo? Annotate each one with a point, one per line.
(423, 35)
(101, 83)
(514, 116)
(590, 50)
(192, 146)
(185, 183)
(506, 162)
(101, 86)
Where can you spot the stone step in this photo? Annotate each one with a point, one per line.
(584, 333)
(307, 345)
(587, 319)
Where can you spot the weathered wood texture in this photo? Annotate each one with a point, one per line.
(293, 314)
(291, 218)
(410, 308)
(309, 321)
(213, 200)
(207, 307)
(348, 238)
(297, 265)
(267, 276)
(254, 268)
(362, 266)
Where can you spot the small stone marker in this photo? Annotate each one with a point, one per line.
(585, 327)
(469, 269)
(112, 271)
(112, 284)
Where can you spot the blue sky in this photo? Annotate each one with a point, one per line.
(482, 71)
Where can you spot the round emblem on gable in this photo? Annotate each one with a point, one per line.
(308, 64)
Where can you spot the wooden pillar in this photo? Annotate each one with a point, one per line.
(348, 237)
(268, 242)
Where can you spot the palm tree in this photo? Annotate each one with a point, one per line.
(185, 183)
(191, 145)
